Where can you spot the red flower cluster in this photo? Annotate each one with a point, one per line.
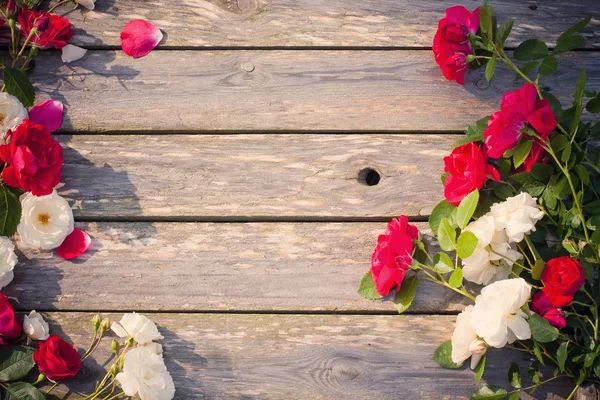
(35, 159)
(393, 255)
(10, 327)
(562, 278)
(451, 43)
(505, 128)
(54, 30)
(57, 359)
(541, 304)
(468, 169)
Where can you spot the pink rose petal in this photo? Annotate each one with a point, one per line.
(74, 245)
(139, 37)
(48, 113)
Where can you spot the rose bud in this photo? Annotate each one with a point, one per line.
(41, 24)
(11, 9)
(35, 327)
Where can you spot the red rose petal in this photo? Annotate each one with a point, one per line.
(74, 245)
(48, 113)
(139, 37)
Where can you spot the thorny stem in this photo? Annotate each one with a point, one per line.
(58, 5)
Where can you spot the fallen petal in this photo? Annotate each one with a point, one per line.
(48, 113)
(74, 245)
(72, 53)
(89, 4)
(139, 37)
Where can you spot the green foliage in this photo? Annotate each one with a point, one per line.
(466, 209)
(479, 369)
(442, 263)
(538, 267)
(19, 85)
(446, 235)
(548, 66)
(406, 294)
(10, 211)
(514, 376)
(593, 105)
(442, 210)
(466, 244)
(23, 391)
(521, 152)
(503, 32)
(443, 356)
(15, 362)
(490, 68)
(531, 49)
(366, 287)
(541, 330)
(456, 278)
(489, 392)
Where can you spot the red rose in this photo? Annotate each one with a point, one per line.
(562, 278)
(35, 159)
(393, 255)
(57, 359)
(10, 327)
(469, 171)
(518, 108)
(541, 304)
(56, 34)
(536, 155)
(451, 43)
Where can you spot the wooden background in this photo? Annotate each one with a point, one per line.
(220, 180)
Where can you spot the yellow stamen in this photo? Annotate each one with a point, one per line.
(44, 219)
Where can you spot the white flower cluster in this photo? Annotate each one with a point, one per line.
(144, 370)
(497, 232)
(495, 320)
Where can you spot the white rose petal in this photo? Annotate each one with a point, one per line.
(497, 316)
(493, 257)
(45, 220)
(35, 327)
(72, 53)
(465, 342)
(89, 4)
(8, 260)
(138, 327)
(144, 373)
(12, 113)
(517, 215)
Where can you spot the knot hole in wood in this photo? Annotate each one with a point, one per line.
(369, 176)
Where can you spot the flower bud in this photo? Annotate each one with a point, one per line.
(115, 347)
(11, 9)
(41, 24)
(104, 326)
(478, 346)
(114, 370)
(96, 322)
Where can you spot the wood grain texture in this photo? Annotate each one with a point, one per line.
(306, 357)
(304, 267)
(236, 91)
(289, 23)
(252, 176)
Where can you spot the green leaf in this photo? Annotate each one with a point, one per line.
(479, 369)
(541, 330)
(456, 278)
(596, 237)
(523, 177)
(521, 152)
(442, 210)
(367, 289)
(534, 372)
(467, 140)
(478, 127)
(568, 44)
(443, 356)
(548, 66)
(489, 392)
(466, 209)
(515, 396)
(15, 362)
(487, 22)
(593, 105)
(583, 174)
(558, 143)
(570, 246)
(537, 351)
(531, 49)
(527, 68)
(446, 235)
(578, 96)
(10, 211)
(23, 391)
(503, 32)
(19, 85)
(554, 103)
(566, 154)
(29, 4)
(490, 68)
(466, 244)
(443, 263)
(538, 267)
(514, 376)
(574, 29)
(407, 292)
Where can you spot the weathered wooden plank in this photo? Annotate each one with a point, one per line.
(252, 176)
(305, 357)
(279, 90)
(215, 267)
(288, 23)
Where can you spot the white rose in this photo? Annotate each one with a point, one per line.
(517, 215)
(144, 373)
(497, 316)
(12, 113)
(89, 4)
(493, 257)
(45, 221)
(465, 342)
(8, 260)
(138, 327)
(35, 327)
